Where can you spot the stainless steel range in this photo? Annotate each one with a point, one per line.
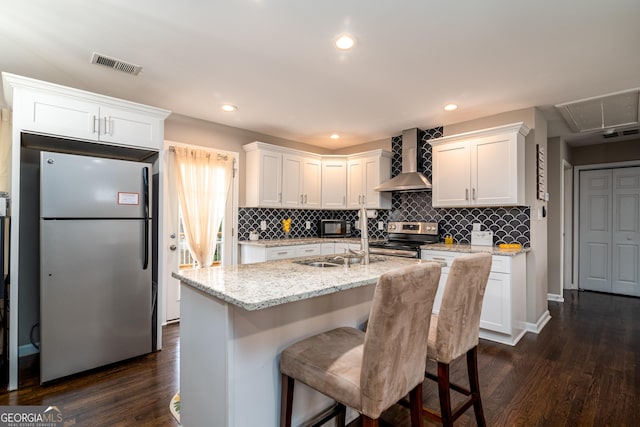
(405, 239)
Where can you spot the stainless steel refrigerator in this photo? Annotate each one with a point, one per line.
(95, 262)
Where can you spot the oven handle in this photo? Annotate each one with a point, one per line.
(393, 252)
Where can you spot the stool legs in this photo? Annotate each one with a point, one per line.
(286, 400)
(447, 415)
(415, 400)
(474, 385)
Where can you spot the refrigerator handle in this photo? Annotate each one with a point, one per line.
(145, 185)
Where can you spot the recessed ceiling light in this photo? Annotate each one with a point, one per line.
(450, 107)
(345, 42)
(229, 108)
(334, 136)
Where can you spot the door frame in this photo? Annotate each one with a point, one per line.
(170, 212)
(566, 183)
(576, 208)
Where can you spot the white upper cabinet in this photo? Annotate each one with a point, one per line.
(58, 110)
(334, 183)
(364, 172)
(301, 181)
(282, 177)
(481, 168)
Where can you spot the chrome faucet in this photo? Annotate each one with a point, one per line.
(364, 235)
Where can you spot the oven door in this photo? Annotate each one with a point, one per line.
(406, 253)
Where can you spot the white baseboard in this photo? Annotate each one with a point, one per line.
(555, 297)
(540, 324)
(27, 350)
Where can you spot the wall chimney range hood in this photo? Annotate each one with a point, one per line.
(410, 179)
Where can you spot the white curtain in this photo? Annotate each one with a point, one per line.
(5, 149)
(203, 179)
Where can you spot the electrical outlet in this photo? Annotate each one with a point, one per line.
(308, 225)
(263, 225)
(381, 225)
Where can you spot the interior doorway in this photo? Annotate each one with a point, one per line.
(176, 254)
(609, 230)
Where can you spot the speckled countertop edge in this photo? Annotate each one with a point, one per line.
(268, 284)
(458, 247)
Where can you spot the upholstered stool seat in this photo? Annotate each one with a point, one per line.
(370, 371)
(454, 331)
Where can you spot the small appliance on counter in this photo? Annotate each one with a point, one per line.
(332, 228)
(481, 238)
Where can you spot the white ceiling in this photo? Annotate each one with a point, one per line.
(275, 60)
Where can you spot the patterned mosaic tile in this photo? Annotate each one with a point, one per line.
(249, 219)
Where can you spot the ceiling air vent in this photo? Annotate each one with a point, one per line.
(603, 112)
(115, 64)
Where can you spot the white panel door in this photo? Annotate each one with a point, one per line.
(334, 184)
(270, 193)
(292, 181)
(312, 182)
(595, 230)
(451, 175)
(493, 172)
(355, 183)
(626, 231)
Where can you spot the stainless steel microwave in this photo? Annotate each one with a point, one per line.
(332, 228)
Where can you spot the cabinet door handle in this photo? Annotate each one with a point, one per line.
(466, 194)
(344, 200)
(301, 199)
(282, 253)
(309, 250)
(96, 129)
(474, 193)
(305, 199)
(279, 197)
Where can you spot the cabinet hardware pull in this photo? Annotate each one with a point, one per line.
(308, 250)
(344, 200)
(279, 197)
(466, 194)
(301, 199)
(474, 193)
(96, 129)
(364, 200)
(439, 258)
(305, 199)
(282, 253)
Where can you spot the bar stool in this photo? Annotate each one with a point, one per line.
(370, 371)
(454, 332)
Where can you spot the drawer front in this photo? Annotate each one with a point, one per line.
(307, 250)
(282, 252)
(501, 264)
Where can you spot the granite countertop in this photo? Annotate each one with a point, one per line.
(458, 247)
(267, 284)
(269, 243)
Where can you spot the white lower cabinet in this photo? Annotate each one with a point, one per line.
(503, 314)
(250, 254)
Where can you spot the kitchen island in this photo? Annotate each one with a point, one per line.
(237, 319)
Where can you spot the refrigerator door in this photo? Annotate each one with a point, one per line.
(73, 186)
(95, 296)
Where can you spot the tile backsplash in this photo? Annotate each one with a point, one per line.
(509, 224)
(249, 219)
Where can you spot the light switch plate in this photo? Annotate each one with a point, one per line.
(381, 225)
(263, 225)
(308, 225)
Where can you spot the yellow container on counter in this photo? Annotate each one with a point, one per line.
(448, 240)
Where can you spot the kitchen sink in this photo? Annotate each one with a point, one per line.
(336, 261)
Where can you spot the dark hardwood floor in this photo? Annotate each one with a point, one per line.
(136, 392)
(582, 370)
